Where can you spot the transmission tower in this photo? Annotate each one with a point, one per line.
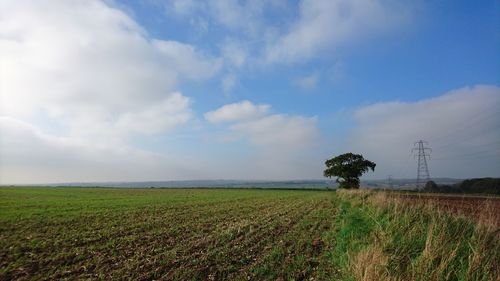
(422, 170)
(389, 181)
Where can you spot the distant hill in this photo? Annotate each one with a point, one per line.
(288, 184)
(406, 183)
(292, 184)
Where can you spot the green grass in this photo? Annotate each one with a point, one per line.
(384, 239)
(222, 234)
(147, 233)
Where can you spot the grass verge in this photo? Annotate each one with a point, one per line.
(382, 238)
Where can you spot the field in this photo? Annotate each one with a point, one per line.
(222, 234)
(475, 207)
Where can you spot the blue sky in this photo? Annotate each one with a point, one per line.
(461, 35)
(159, 90)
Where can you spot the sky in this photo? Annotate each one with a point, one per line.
(264, 89)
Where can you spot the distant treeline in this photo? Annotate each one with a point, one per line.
(480, 185)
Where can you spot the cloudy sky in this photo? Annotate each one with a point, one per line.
(262, 89)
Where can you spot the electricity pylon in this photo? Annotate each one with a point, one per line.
(422, 170)
(389, 181)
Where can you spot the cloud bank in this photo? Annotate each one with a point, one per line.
(87, 94)
(92, 67)
(282, 141)
(78, 80)
(243, 110)
(461, 126)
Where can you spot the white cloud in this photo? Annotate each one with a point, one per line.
(326, 24)
(283, 146)
(93, 71)
(229, 82)
(308, 82)
(163, 116)
(244, 110)
(254, 123)
(279, 131)
(234, 53)
(227, 12)
(186, 60)
(27, 155)
(184, 7)
(258, 33)
(244, 26)
(247, 16)
(461, 126)
(87, 61)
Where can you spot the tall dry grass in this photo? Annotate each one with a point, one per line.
(420, 241)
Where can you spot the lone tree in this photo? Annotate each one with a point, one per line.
(348, 168)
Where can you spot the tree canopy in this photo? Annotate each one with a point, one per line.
(348, 168)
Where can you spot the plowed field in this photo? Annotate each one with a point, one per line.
(476, 207)
(229, 234)
(163, 234)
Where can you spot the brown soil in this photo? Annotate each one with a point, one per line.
(486, 209)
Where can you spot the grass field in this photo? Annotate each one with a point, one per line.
(202, 234)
